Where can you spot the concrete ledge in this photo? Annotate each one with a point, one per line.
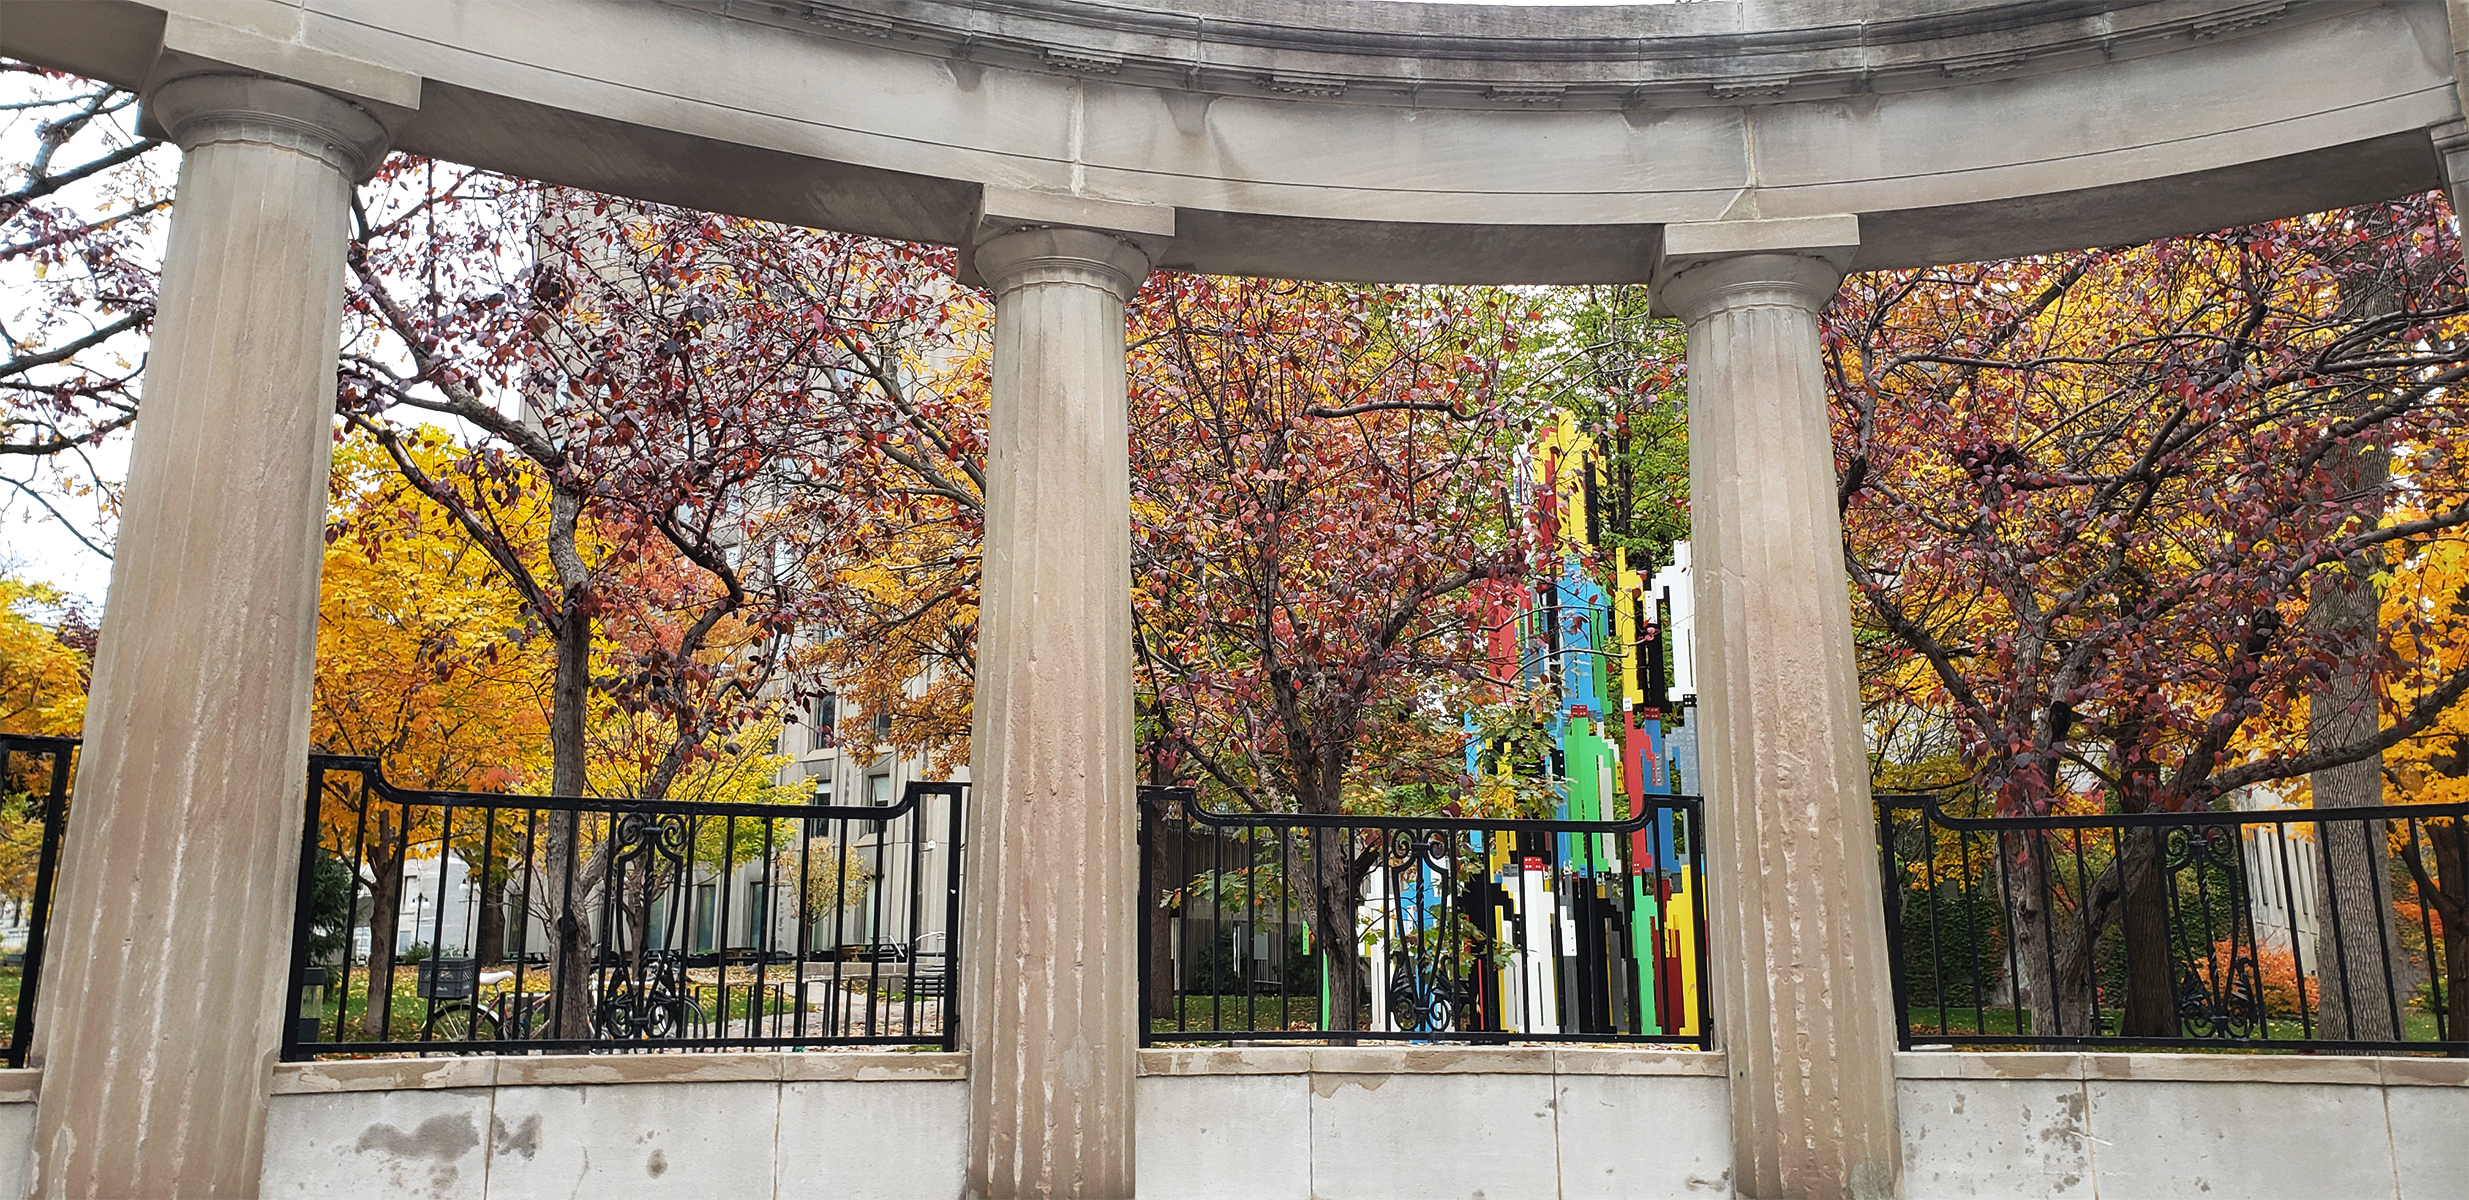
(571, 1070)
(2318, 1070)
(1429, 1060)
(21, 1085)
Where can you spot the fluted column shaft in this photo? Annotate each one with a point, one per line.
(172, 922)
(1049, 974)
(1802, 1000)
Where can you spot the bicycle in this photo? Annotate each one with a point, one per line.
(526, 1014)
(653, 1001)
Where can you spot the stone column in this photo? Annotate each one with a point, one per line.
(1049, 970)
(1801, 991)
(171, 928)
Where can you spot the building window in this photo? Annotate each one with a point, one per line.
(879, 790)
(821, 714)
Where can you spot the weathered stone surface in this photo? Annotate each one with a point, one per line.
(1048, 973)
(1798, 942)
(2239, 1141)
(1635, 1136)
(853, 1140)
(416, 1144)
(704, 1139)
(1233, 1136)
(1380, 1137)
(1967, 1135)
(172, 923)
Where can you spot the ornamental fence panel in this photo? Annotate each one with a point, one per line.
(433, 922)
(34, 811)
(1307, 928)
(2278, 929)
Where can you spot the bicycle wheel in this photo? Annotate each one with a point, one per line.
(680, 1018)
(530, 1021)
(458, 1023)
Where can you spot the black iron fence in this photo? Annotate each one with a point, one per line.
(457, 922)
(34, 810)
(1282, 926)
(2342, 929)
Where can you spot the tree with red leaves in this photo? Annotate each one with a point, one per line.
(683, 385)
(1317, 477)
(2089, 498)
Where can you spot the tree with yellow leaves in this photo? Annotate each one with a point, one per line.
(43, 668)
(427, 664)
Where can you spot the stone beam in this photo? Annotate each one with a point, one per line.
(1798, 943)
(1049, 972)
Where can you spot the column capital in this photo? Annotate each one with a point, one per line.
(1713, 266)
(1020, 237)
(195, 111)
(1021, 258)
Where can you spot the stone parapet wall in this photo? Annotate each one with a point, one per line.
(837, 1125)
(2213, 1125)
(1300, 1123)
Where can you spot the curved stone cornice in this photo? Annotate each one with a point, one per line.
(1578, 56)
(1327, 139)
(200, 110)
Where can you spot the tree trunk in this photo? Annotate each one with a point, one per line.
(2445, 890)
(1158, 980)
(489, 941)
(2051, 959)
(384, 859)
(2356, 939)
(2450, 897)
(2150, 1003)
(569, 923)
(1337, 895)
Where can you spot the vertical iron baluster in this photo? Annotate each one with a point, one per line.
(875, 1008)
(359, 859)
(803, 914)
(2297, 951)
(522, 917)
(2091, 942)
(838, 1020)
(2384, 930)
(1143, 832)
(917, 865)
(763, 938)
(2435, 964)
(1285, 919)
(955, 800)
(304, 916)
(2330, 889)
(1217, 928)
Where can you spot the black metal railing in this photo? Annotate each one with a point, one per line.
(2296, 929)
(1284, 926)
(34, 812)
(459, 922)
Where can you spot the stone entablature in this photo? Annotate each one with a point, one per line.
(1426, 55)
(1412, 143)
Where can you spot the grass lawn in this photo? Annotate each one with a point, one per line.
(1240, 1014)
(1927, 1023)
